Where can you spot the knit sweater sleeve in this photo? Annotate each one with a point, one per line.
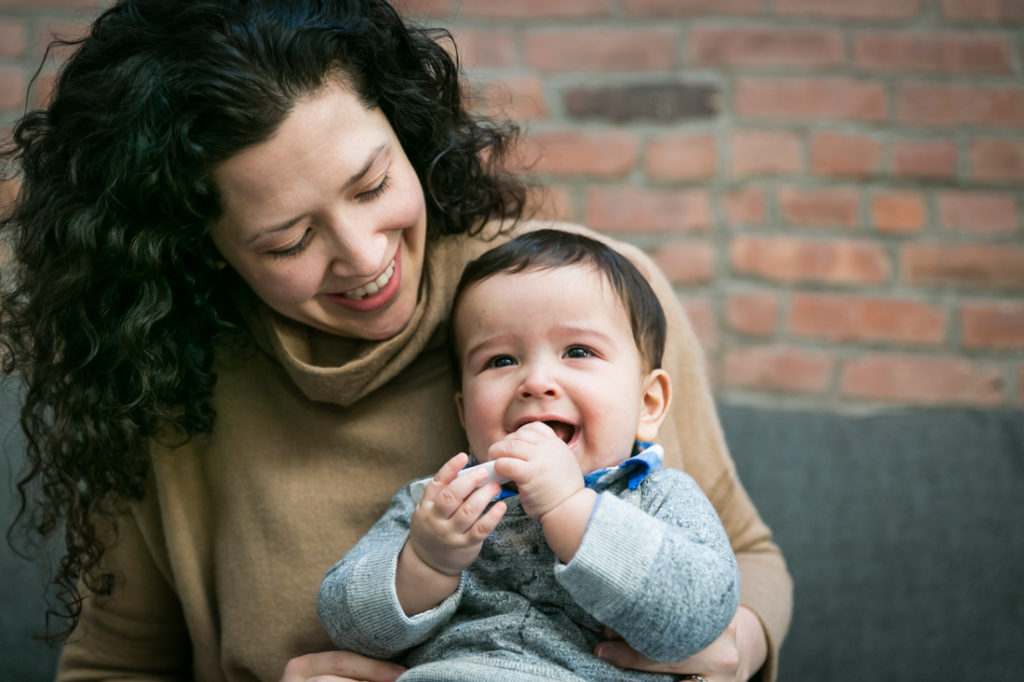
(358, 604)
(662, 576)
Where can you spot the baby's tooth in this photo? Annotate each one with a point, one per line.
(370, 288)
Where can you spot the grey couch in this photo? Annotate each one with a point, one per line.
(903, 533)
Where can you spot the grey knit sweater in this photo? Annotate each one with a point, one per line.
(655, 566)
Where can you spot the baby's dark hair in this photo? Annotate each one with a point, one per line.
(544, 249)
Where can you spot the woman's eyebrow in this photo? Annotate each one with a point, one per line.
(356, 177)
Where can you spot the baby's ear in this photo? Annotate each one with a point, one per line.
(657, 392)
(461, 409)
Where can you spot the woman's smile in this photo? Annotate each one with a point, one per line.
(374, 294)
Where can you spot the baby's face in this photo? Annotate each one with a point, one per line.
(555, 346)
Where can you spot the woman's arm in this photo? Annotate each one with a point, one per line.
(693, 441)
(139, 627)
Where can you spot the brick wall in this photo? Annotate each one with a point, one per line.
(834, 186)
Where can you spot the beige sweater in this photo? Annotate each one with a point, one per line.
(219, 565)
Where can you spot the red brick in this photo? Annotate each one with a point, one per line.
(12, 88)
(702, 319)
(924, 159)
(686, 262)
(766, 46)
(534, 9)
(863, 9)
(978, 211)
(12, 38)
(486, 48)
(60, 30)
(998, 326)
(636, 209)
(832, 98)
(933, 52)
(552, 202)
(898, 212)
(984, 10)
(516, 98)
(763, 152)
(997, 160)
(822, 207)
(421, 8)
(686, 8)
(682, 157)
(858, 319)
(922, 380)
(747, 205)
(929, 104)
(42, 88)
(661, 102)
(973, 265)
(606, 154)
(778, 368)
(601, 50)
(753, 313)
(845, 155)
(791, 260)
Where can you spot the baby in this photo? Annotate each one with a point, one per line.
(558, 342)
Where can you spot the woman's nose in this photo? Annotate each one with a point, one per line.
(356, 250)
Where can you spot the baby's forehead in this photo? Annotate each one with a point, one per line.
(572, 289)
(504, 283)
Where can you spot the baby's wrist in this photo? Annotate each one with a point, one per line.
(423, 558)
(565, 523)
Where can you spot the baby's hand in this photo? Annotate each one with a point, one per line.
(543, 467)
(449, 524)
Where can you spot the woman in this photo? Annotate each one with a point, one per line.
(238, 230)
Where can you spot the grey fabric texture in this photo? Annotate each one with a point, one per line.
(655, 565)
(904, 533)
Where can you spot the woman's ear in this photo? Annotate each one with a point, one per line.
(657, 393)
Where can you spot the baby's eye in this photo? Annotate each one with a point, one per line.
(578, 352)
(500, 361)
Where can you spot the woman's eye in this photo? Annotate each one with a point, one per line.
(500, 361)
(578, 352)
(296, 248)
(371, 194)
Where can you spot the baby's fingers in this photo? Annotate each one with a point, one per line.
(512, 468)
(449, 499)
(486, 524)
(445, 475)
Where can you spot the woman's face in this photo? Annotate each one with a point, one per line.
(326, 220)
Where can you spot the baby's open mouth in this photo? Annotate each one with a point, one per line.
(562, 430)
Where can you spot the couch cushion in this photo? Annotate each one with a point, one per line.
(903, 532)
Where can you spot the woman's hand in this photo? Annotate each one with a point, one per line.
(339, 666)
(735, 656)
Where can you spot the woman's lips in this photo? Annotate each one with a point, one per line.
(375, 294)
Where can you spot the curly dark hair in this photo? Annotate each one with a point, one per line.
(113, 306)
